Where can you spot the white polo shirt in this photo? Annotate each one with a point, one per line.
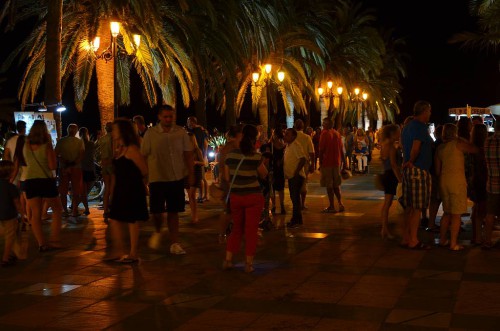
(305, 141)
(165, 153)
(293, 153)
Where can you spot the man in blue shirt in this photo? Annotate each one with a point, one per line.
(417, 153)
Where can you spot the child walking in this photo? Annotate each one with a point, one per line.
(10, 207)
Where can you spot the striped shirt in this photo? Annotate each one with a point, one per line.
(492, 153)
(246, 181)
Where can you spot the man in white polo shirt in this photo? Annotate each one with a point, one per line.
(305, 141)
(293, 165)
(169, 153)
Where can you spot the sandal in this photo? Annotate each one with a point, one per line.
(420, 246)
(329, 210)
(341, 208)
(457, 248)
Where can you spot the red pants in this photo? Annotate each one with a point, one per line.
(246, 211)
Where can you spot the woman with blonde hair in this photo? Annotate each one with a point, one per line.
(391, 159)
(450, 169)
(40, 185)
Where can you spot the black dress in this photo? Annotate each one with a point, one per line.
(278, 171)
(128, 203)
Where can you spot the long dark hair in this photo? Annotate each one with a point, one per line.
(464, 124)
(478, 135)
(247, 144)
(18, 152)
(128, 134)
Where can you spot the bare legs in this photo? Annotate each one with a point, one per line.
(385, 233)
(453, 222)
(477, 218)
(193, 205)
(172, 224)
(338, 194)
(105, 200)
(412, 221)
(117, 233)
(34, 207)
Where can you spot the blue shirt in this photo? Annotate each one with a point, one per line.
(416, 130)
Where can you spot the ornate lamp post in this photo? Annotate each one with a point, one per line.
(268, 81)
(331, 97)
(111, 53)
(360, 100)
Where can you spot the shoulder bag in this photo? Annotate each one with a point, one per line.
(234, 177)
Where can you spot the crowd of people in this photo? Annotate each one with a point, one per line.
(148, 172)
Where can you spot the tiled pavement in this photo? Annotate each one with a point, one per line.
(335, 273)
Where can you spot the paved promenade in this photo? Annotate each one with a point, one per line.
(334, 273)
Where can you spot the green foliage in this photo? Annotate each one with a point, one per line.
(217, 45)
(216, 139)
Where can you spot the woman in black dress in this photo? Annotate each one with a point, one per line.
(128, 190)
(278, 171)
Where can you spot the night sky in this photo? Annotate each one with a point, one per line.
(445, 75)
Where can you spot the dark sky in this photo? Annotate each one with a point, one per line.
(444, 74)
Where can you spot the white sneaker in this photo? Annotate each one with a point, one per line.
(176, 249)
(155, 240)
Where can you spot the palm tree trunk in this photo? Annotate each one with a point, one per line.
(53, 93)
(105, 78)
(263, 109)
(230, 107)
(201, 106)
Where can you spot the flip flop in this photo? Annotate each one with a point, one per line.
(420, 246)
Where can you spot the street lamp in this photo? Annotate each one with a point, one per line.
(268, 81)
(112, 53)
(360, 99)
(331, 97)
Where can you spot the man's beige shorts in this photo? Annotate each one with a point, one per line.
(330, 177)
(454, 200)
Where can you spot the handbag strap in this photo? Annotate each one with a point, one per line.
(36, 159)
(234, 177)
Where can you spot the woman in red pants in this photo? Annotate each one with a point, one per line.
(242, 168)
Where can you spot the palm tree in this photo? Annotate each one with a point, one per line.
(488, 36)
(161, 60)
(53, 93)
